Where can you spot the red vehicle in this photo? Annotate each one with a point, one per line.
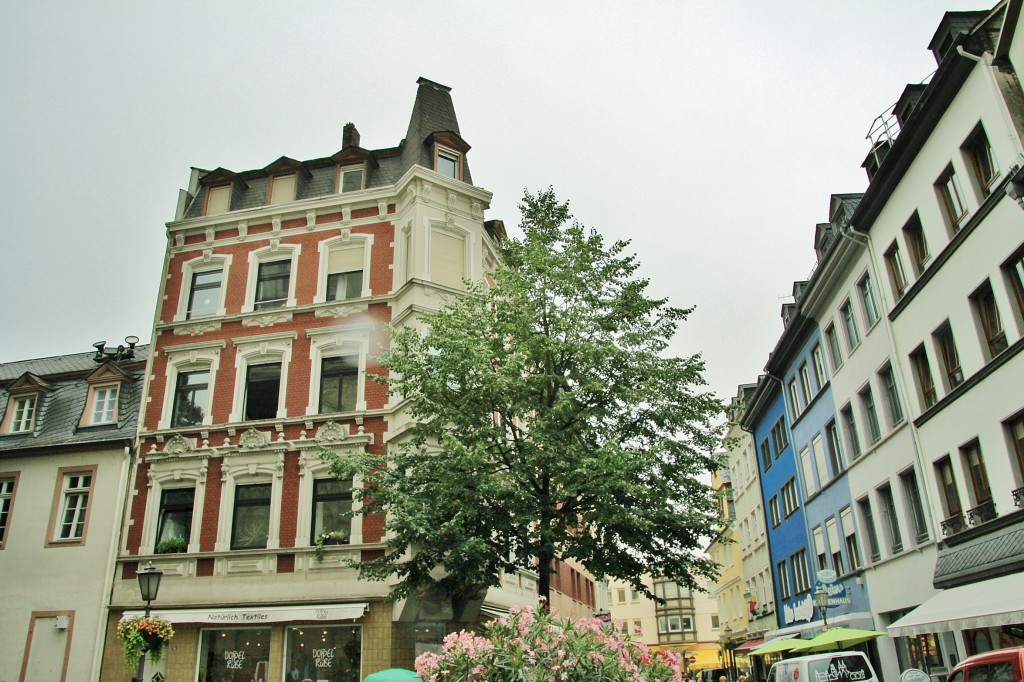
(1001, 665)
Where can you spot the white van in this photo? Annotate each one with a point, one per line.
(837, 666)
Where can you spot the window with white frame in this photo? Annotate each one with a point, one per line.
(447, 258)
(783, 579)
(282, 189)
(836, 547)
(790, 503)
(104, 404)
(1015, 435)
(191, 398)
(819, 548)
(850, 538)
(773, 510)
(850, 429)
(338, 369)
(272, 276)
(202, 289)
(174, 522)
(68, 524)
(350, 178)
(24, 414)
(805, 466)
(449, 163)
(187, 400)
(339, 383)
(835, 449)
(1013, 273)
(332, 509)
(801, 578)
(261, 377)
(820, 373)
(250, 519)
(344, 269)
(867, 298)
(218, 200)
(8, 485)
(794, 399)
(818, 450)
(805, 384)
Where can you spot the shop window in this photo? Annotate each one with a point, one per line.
(250, 521)
(174, 526)
(235, 654)
(323, 652)
(332, 509)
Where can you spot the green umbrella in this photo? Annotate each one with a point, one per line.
(775, 646)
(392, 675)
(836, 638)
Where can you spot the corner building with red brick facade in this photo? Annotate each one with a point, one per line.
(277, 286)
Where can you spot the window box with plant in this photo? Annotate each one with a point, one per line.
(171, 546)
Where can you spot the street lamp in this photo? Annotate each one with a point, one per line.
(730, 660)
(149, 585)
(821, 601)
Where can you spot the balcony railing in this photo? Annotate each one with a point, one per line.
(953, 525)
(1018, 496)
(986, 511)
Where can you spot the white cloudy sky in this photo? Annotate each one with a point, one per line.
(709, 133)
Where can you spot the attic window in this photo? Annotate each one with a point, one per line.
(448, 162)
(350, 179)
(282, 189)
(23, 413)
(218, 200)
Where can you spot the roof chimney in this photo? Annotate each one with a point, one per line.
(350, 136)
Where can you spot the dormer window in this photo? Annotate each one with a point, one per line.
(282, 189)
(218, 200)
(448, 163)
(101, 403)
(104, 406)
(24, 416)
(350, 179)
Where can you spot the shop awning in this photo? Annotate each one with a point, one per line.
(748, 645)
(257, 615)
(988, 603)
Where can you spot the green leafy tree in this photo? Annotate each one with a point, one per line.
(550, 425)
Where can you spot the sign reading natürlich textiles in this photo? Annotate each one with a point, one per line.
(266, 614)
(837, 595)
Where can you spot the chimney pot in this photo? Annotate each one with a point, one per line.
(350, 136)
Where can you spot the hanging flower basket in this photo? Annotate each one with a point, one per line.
(139, 635)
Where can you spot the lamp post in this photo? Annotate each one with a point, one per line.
(149, 585)
(821, 601)
(730, 661)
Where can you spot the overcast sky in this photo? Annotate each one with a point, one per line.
(711, 134)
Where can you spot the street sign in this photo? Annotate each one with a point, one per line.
(692, 659)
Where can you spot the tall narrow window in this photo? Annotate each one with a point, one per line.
(794, 398)
(819, 549)
(204, 296)
(914, 234)
(447, 259)
(332, 506)
(892, 398)
(950, 359)
(74, 505)
(850, 428)
(104, 405)
(894, 264)
(6, 502)
(975, 466)
(923, 376)
(773, 510)
(801, 579)
(805, 384)
(912, 501)
(818, 450)
(850, 325)
(1013, 270)
(820, 375)
(947, 487)
(262, 390)
(850, 538)
(24, 414)
(250, 525)
(835, 452)
(790, 503)
(892, 524)
(867, 405)
(983, 164)
(1015, 432)
(448, 163)
(867, 297)
(191, 395)
(783, 580)
(174, 528)
(272, 284)
(338, 384)
(835, 356)
(766, 454)
(805, 466)
(868, 520)
(780, 438)
(345, 274)
(837, 547)
(951, 197)
(987, 313)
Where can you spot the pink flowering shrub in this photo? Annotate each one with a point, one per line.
(536, 646)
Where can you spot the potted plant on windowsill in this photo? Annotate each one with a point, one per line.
(171, 546)
(140, 634)
(334, 537)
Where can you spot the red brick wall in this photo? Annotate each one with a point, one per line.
(211, 506)
(138, 508)
(289, 501)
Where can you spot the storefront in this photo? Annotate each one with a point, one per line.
(288, 643)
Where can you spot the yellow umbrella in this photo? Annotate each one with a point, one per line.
(836, 638)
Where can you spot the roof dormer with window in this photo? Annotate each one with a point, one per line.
(101, 403)
(287, 179)
(219, 187)
(24, 400)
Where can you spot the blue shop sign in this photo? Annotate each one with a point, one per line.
(837, 595)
